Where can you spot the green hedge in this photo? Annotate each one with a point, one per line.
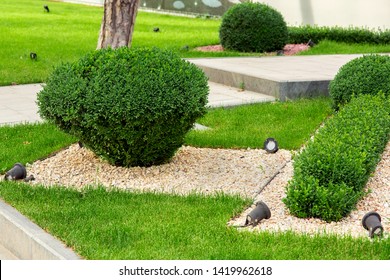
(130, 106)
(253, 27)
(368, 74)
(302, 34)
(331, 172)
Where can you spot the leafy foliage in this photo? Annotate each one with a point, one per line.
(253, 27)
(330, 174)
(131, 106)
(364, 75)
(302, 34)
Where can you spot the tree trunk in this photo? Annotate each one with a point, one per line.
(118, 23)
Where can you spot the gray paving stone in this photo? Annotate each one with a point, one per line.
(283, 77)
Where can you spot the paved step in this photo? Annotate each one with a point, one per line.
(22, 239)
(5, 254)
(283, 77)
(18, 103)
(226, 96)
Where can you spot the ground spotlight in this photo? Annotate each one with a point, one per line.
(270, 145)
(17, 172)
(260, 212)
(33, 56)
(372, 222)
(311, 43)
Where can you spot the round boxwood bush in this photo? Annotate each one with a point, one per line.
(253, 27)
(131, 106)
(368, 74)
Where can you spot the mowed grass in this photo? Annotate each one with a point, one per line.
(290, 123)
(25, 143)
(70, 30)
(121, 225)
(331, 47)
(64, 34)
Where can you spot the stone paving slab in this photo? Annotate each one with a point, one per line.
(22, 239)
(18, 103)
(283, 77)
(5, 254)
(225, 96)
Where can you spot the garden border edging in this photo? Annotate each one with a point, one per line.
(26, 240)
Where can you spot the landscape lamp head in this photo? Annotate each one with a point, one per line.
(260, 212)
(17, 172)
(270, 145)
(33, 56)
(372, 222)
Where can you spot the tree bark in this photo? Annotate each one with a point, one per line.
(118, 23)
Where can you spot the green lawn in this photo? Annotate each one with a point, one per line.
(331, 47)
(29, 142)
(71, 30)
(123, 225)
(119, 225)
(129, 225)
(290, 123)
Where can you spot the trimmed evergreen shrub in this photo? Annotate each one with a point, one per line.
(253, 27)
(364, 75)
(302, 34)
(331, 172)
(131, 106)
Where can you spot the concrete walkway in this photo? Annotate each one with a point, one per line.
(22, 239)
(18, 103)
(283, 77)
(263, 78)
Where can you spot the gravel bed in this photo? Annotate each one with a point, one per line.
(244, 172)
(192, 170)
(289, 49)
(377, 200)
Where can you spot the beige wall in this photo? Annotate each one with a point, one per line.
(359, 13)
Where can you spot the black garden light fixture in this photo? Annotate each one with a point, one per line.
(33, 56)
(270, 145)
(260, 212)
(372, 222)
(17, 172)
(46, 8)
(311, 43)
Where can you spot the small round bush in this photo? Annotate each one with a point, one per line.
(253, 27)
(131, 106)
(368, 74)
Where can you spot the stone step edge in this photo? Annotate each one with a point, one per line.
(27, 241)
